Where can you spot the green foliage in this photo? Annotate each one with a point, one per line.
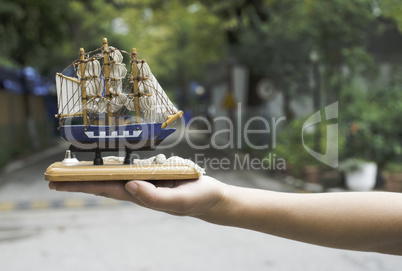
(290, 145)
(391, 9)
(277, 39)
(351, 165)
(46, 33)
(178, 38)
(269, 42)
(181, 37)
(371, 122)
(394, 167)
(29, 27)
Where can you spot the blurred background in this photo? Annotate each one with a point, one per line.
(277, 58)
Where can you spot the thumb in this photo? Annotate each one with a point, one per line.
(144, 191)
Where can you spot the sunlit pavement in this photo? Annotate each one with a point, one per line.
(42, 229)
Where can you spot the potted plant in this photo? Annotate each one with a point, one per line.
(393, 177)
(360, 175)
(369, 121)
(299, 162)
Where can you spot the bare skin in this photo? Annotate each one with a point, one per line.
(364, 221)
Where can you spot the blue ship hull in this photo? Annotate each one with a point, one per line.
(133, 136)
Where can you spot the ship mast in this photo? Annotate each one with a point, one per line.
(107, 85)
(134, 68)
(83, 81)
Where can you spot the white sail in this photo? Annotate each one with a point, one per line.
(94, 87)
(115, 87)
(130, 105)
(117, 102)
(92, 68)
(116, 55)
(157, 106)
(117, 71)
(68, 95)
(154, 104)
(144, 87)
(96, 105)
(148, 106)
(144, 70)
(163, 104)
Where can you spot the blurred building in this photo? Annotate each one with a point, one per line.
(26, 107)
(231, 77)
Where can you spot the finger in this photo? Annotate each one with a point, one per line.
(158, 198)
(112, 189)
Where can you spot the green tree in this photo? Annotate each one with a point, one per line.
(178, 39)
(389, 9)
(31, 29)
(45, 33)
(276, 39)
(339, 32)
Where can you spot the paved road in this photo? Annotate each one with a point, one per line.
(88, 233)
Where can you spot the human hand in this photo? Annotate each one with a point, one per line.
(198, 198)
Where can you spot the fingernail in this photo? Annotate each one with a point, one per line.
(52, 186)
(132, 187)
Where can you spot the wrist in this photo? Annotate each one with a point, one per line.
(224, 209)
(246, 208)
(215, 208)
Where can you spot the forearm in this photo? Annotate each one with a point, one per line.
(358, 221)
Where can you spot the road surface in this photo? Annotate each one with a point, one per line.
(43, 230)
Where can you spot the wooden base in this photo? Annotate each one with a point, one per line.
(114, 171)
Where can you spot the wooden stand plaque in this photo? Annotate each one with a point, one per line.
(114, 171)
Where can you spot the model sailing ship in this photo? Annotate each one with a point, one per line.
(106, 107)
(118, 108)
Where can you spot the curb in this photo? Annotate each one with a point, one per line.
(58, 204)
(299, 185)
(31, 159)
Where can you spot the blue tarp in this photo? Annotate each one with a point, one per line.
(26, 80)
